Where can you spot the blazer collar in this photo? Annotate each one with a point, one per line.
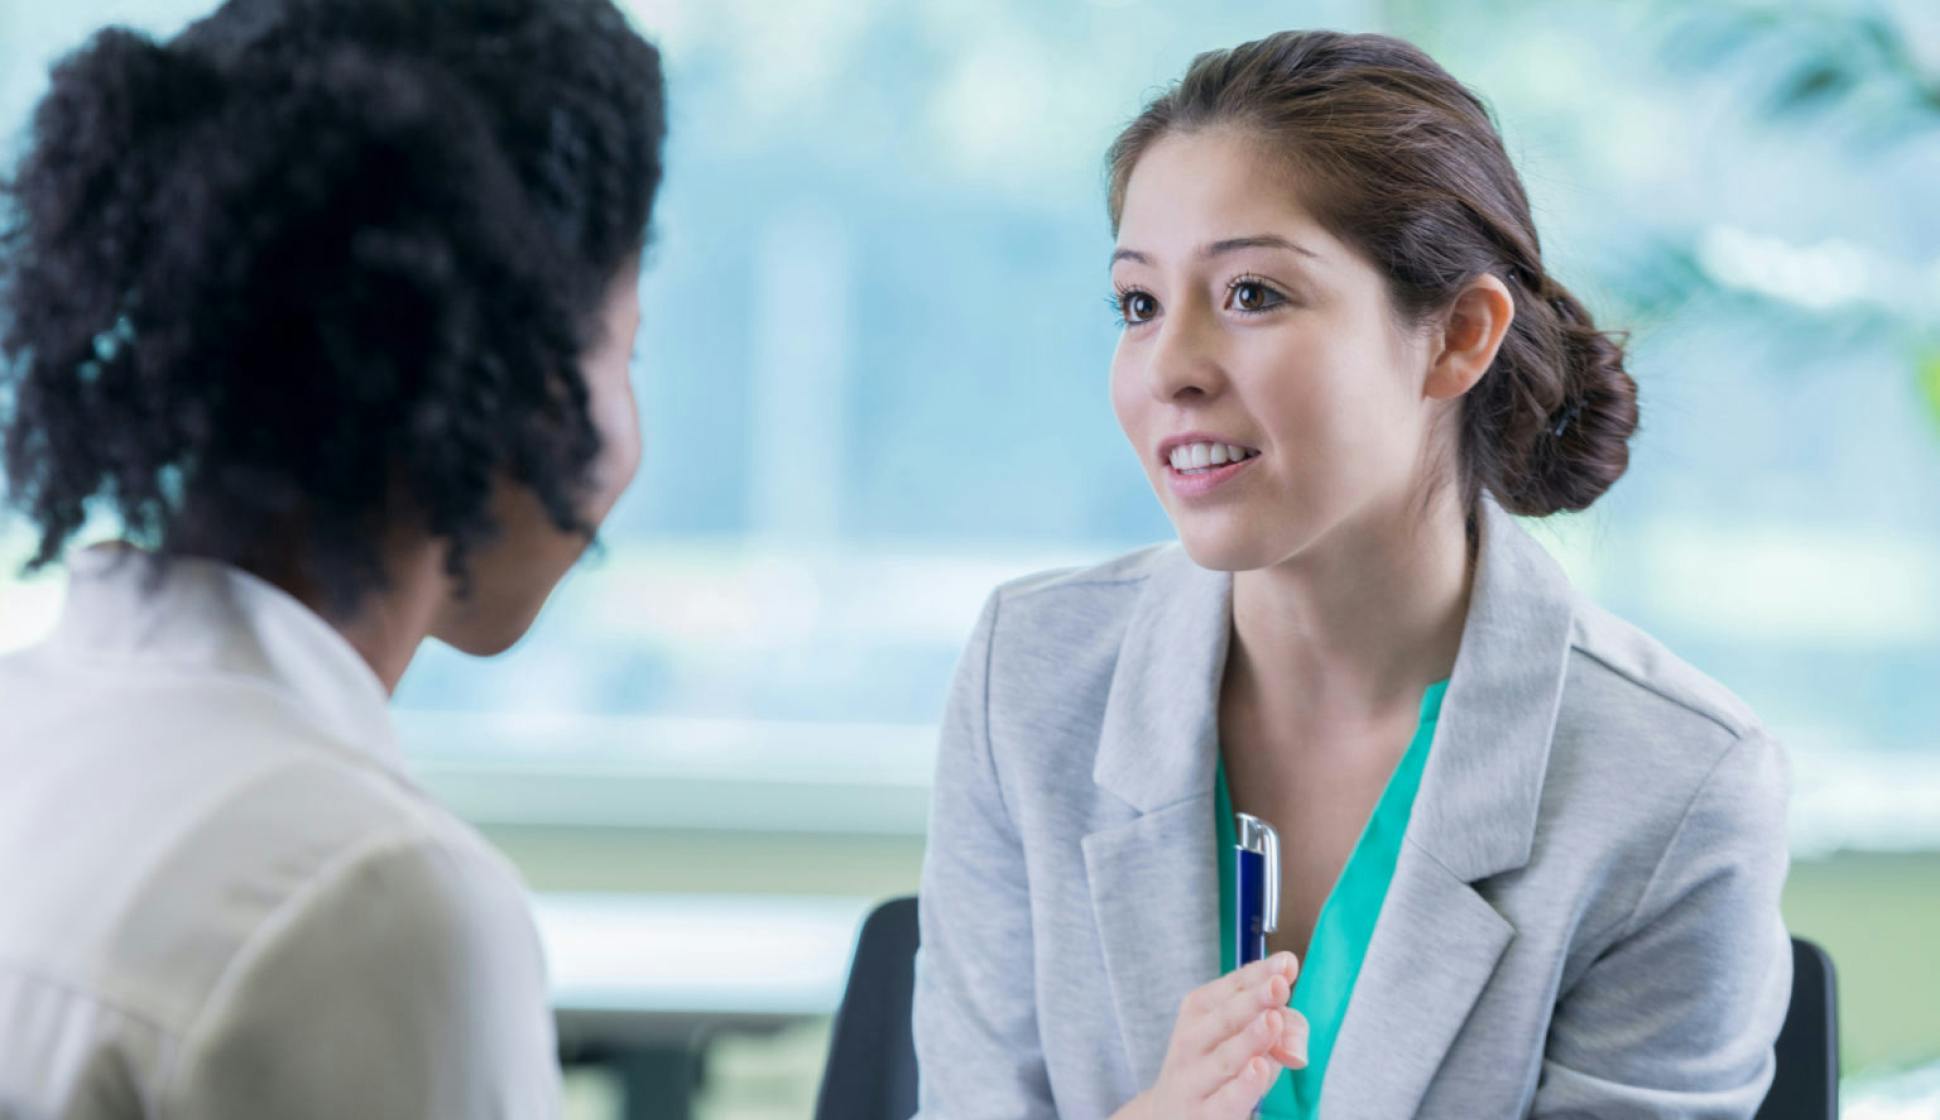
(1160, 730)
(1476, 811)
(1439, 939)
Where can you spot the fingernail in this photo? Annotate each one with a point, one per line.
(1293, 1039)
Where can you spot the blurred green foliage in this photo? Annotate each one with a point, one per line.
(1849, 68)
(1927, 378)
(1846, 66)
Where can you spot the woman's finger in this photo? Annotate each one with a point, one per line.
(1291, 1049)
(1252, 1040)
(1227, 1008)
(1238, 1097)
(1282, 963)
(1248, 976)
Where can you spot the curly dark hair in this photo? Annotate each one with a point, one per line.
(311, 266)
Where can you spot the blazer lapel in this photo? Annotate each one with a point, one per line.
(1154, 880)
(1155, 898)
(1438, 939)
(1431, 955)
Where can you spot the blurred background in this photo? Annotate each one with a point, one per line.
(873, 374)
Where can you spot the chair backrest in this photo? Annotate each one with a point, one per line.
(1806, 1084)
(871, 1070)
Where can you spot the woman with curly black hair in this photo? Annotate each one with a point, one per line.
(328, 303)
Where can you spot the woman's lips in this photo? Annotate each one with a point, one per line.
(1195, 483)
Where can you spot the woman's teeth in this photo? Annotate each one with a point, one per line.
(1191, 458)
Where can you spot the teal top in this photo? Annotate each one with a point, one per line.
(1346, 922)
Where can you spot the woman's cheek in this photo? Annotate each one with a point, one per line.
(616, 418)
(1125, 404)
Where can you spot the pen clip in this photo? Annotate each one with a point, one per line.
(1255, 835)
(1272, 916)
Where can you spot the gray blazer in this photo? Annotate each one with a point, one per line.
(1584, 920)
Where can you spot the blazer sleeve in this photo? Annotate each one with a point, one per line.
(977, 1047)
(1678, 1016)
(407, 981)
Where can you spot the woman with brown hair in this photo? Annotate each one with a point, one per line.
(1532, 861)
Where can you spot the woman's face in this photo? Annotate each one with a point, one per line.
(1250, 328)
(513, 574)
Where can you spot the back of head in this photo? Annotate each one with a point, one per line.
(315, 265)
(1401, 161)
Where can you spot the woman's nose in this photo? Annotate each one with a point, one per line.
(1184, 366)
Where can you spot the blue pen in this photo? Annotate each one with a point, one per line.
(1257, 901)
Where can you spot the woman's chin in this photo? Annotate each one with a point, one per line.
(487, 630)
(1223, 548)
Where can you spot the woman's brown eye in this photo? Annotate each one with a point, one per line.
(1252, 297)
(1140, 307)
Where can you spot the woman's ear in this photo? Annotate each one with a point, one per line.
(1470, 334)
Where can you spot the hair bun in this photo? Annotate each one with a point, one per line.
(1580, 450)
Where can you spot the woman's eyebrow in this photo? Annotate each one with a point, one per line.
(1227, 245)
(1257, 241)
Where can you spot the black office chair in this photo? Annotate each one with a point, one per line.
(1806, 1086)
(871, 1071)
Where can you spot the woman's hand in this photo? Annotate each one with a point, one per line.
(1231, 1039)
